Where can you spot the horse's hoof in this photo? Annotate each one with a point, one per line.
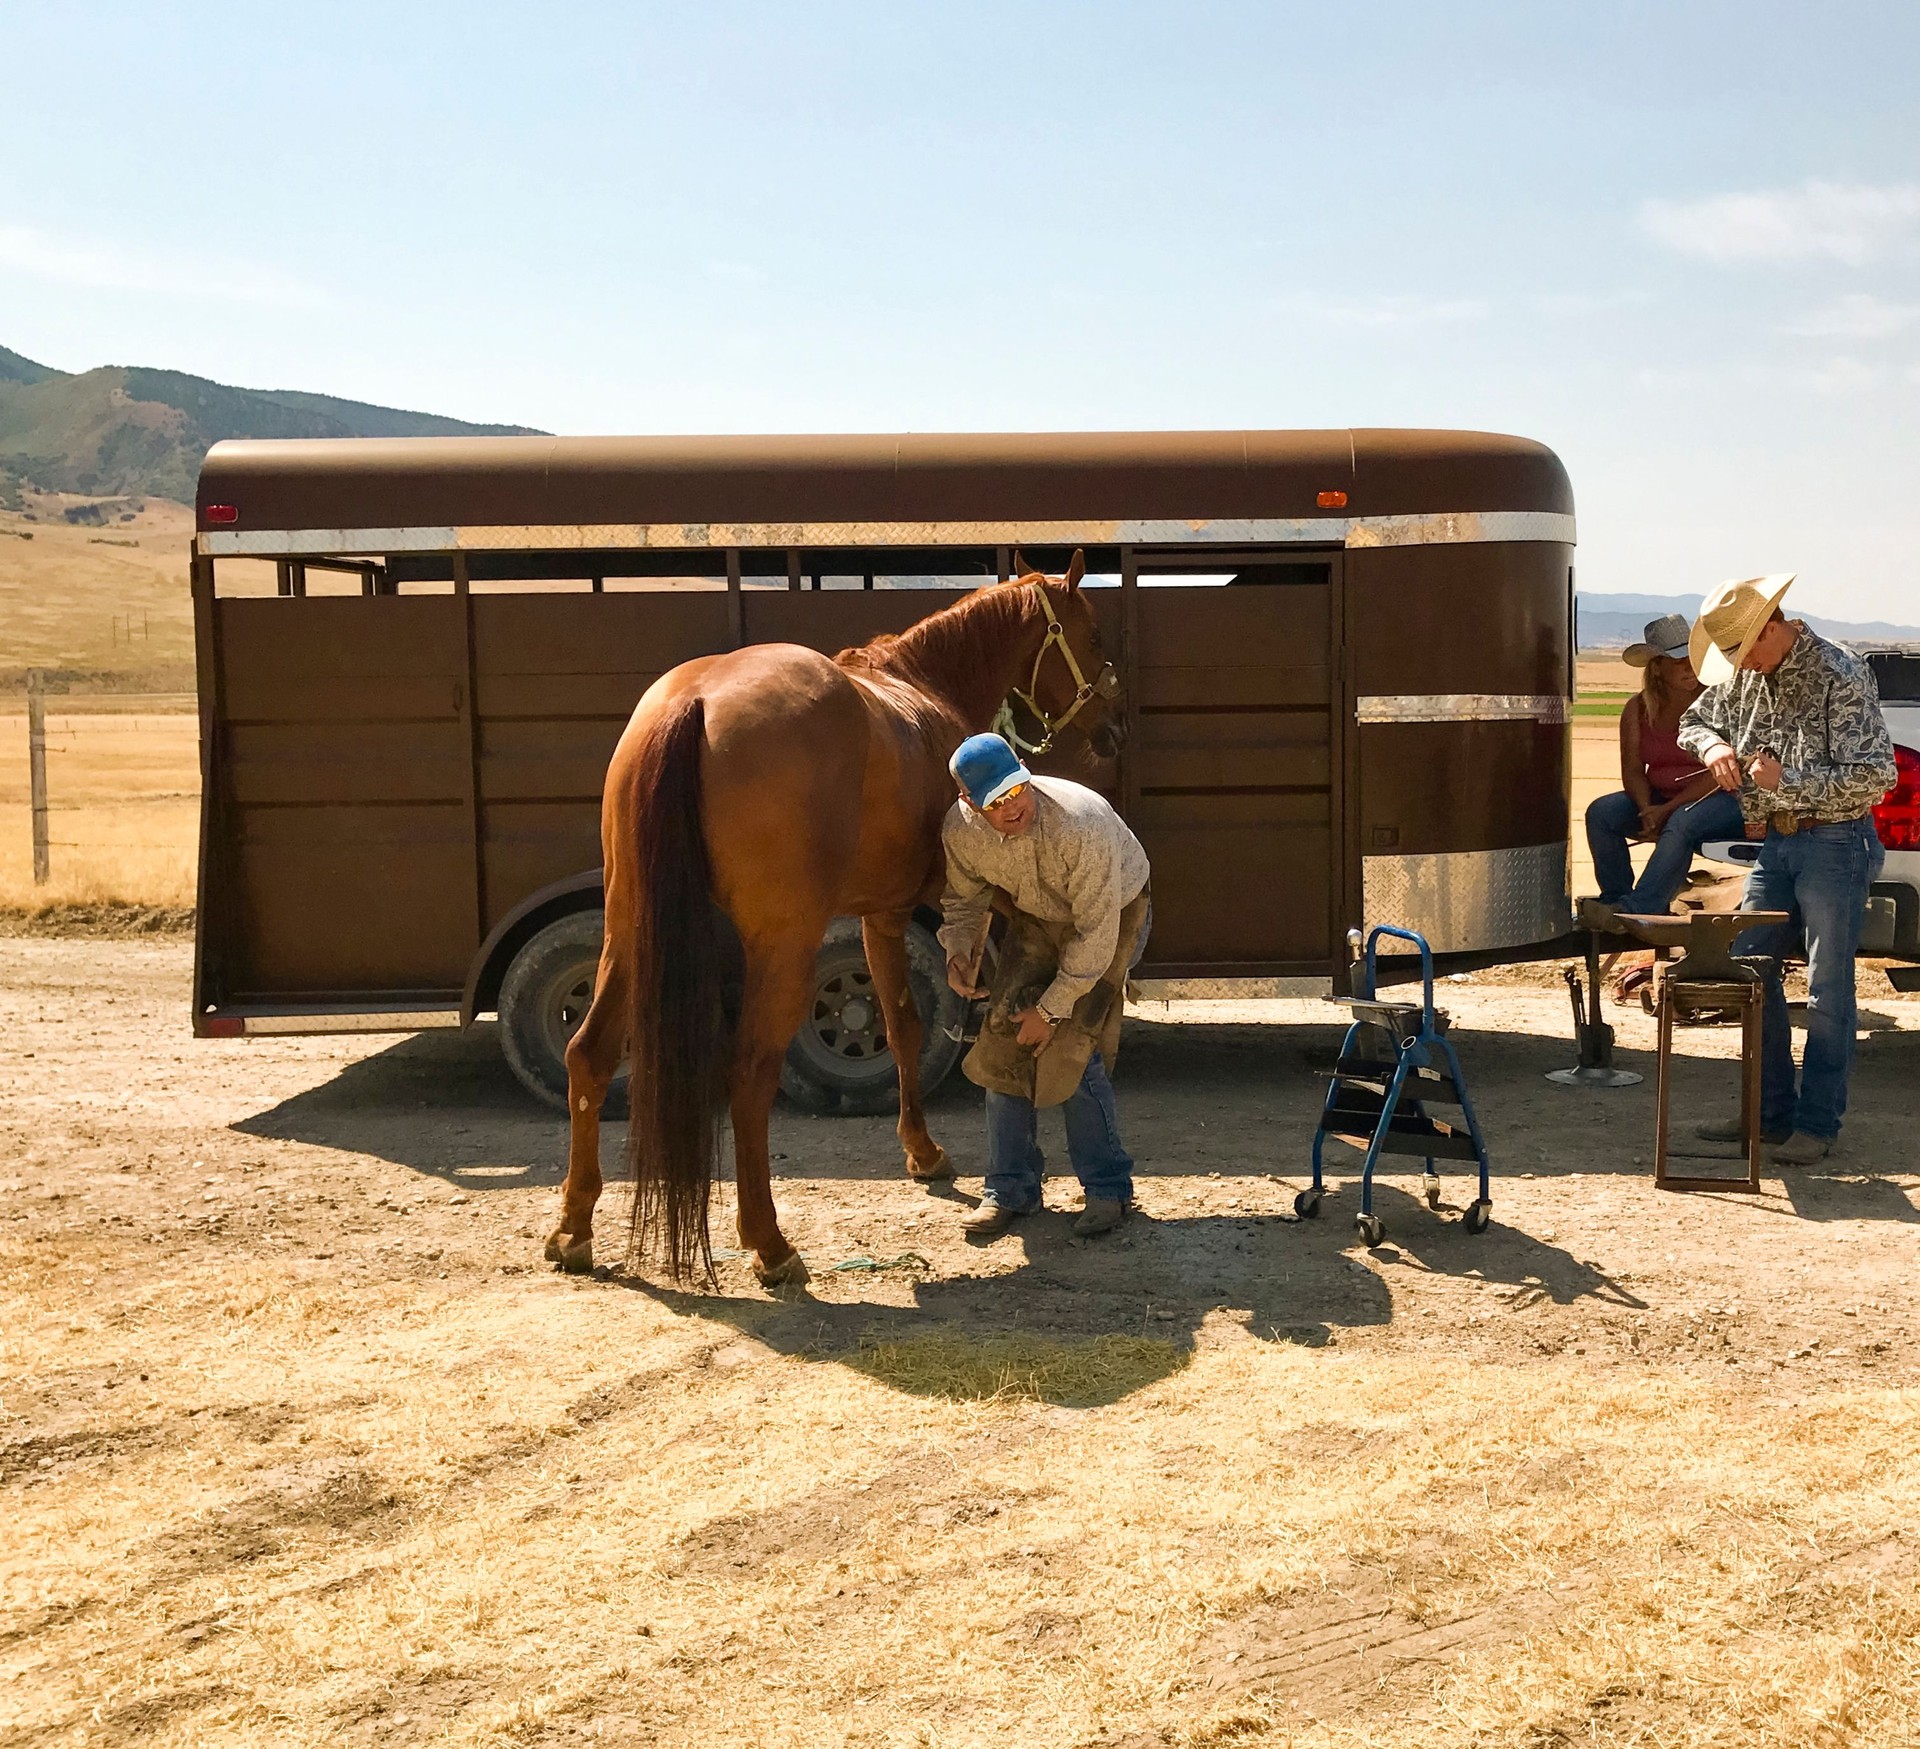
(574, 1256)
(942, 1168)
(790, 1271)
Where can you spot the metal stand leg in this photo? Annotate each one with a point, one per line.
(1594, 1036)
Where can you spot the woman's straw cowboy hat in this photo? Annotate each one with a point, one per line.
(1730, 619)
(1665, 636)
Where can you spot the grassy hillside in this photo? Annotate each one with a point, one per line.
(103, 598)
(134, 431)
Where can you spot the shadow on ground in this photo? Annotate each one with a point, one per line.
(1070, 1308)
(1237, 1099)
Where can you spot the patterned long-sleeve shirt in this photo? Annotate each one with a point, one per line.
(1077, 863)
(1819, 714)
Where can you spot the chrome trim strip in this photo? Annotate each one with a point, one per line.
(1464, 901)
(1353, 531)
(295, 1025)
(1464, 707)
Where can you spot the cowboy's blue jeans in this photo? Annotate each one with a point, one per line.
(1613, 819)
(1015, 1163)
(1820, 877)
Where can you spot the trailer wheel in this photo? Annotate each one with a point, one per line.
(839, 1060)
(543, 999)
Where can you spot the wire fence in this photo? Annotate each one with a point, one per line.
(101, 794)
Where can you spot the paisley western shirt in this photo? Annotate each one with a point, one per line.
(1819, 713)
(1077, 863)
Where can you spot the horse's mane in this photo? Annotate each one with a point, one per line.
(951, 648)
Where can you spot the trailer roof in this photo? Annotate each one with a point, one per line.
(531, 482)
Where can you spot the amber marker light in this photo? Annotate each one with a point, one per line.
(1332, 500)
(220, 515)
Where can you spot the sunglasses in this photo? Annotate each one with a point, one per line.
(1012, 795)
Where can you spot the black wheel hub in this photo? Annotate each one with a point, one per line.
(846, 1019)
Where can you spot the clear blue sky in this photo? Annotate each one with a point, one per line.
(1679, 242)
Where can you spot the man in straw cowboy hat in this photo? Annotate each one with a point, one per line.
(1075, 880)
(1791, 724)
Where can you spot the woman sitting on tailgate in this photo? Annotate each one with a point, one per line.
(1670, 798)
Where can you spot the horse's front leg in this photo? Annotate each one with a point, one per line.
(778, 987)
(593, 1053)
(885, 937)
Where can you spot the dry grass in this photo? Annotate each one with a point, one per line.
(123, 784)
(514, 1515)
(106, 599)
(295, 1448)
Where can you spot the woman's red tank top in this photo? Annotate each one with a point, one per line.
(1670, 767)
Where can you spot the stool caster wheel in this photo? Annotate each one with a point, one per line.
(1370, 1228)
(1306, 1204)
(1430, 1186)
(1479, 1213)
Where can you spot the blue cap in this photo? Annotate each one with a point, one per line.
(986, 768)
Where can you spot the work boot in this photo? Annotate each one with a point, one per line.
(1727, 1129)
(1801, 1149)
(988, 1219)
(1599, 916)
(1101, 1215)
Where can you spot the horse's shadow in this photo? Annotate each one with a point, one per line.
(1085, 1324)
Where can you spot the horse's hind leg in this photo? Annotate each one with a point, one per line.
(885, 937)
(779, 984)
(593, 1053)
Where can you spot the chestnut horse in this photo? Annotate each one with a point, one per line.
(784, 788)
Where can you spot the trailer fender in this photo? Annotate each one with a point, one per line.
(579, 892)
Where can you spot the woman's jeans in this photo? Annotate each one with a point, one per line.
(1613, 819)
(1820, 877)
(1015, 1163)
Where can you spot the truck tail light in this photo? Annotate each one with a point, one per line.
(1897, 818)
(220, 515)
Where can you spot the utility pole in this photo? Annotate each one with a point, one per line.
(37, 768)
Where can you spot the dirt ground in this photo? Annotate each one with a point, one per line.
(300, 1443)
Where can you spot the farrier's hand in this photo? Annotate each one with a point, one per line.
(1725, 768)
(1764, 769)
(963, 979)
(1036, 1030)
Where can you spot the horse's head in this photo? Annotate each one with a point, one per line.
(1072, 684)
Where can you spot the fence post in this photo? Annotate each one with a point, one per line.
(37, 769)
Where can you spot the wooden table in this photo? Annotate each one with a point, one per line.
(1707, 976)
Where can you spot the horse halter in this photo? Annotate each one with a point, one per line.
(1105, 684)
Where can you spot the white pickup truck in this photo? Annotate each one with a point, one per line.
(1893, 908)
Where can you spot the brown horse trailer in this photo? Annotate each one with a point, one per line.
(1347, 660)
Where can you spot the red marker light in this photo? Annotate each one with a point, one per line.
(1332, 500)
(220, 515)
(225, 1026)
(1896, 816)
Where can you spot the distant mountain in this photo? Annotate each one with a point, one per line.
(1611, 622)
(130, 431)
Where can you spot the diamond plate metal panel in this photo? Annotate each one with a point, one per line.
(1466, 900)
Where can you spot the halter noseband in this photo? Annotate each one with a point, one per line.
(1105, 684)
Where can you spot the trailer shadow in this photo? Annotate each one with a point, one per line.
(1236, 1099)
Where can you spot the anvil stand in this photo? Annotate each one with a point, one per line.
(1591, 1033)
(1707, 976)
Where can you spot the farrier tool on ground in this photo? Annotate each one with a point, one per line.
(1591, 1033)
(1386, 1076)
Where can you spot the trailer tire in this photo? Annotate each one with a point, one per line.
(839, 1061)
(543, 998)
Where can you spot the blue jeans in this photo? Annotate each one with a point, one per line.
(1015, 1163)
(1613, 819)
(1820, 877)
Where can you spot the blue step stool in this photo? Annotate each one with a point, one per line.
(1395, 1061)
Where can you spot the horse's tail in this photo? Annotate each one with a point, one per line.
(679, 1038)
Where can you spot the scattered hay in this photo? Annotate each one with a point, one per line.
(1019, 1367)
(95, 917)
